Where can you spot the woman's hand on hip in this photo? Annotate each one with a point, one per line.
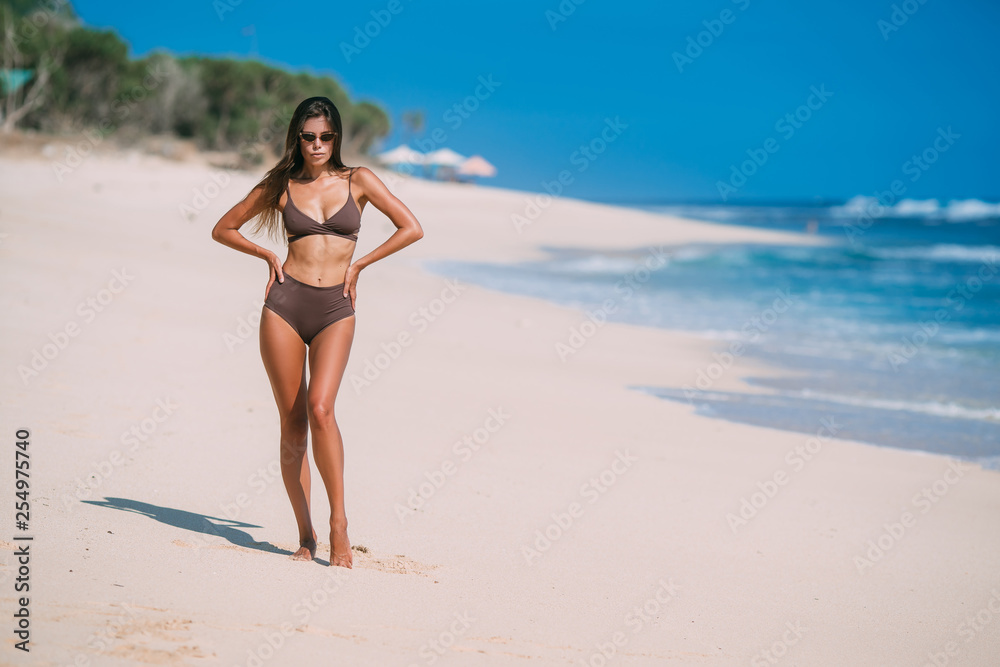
(351, 282)
(274, 271)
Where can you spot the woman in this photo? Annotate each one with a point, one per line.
(312, 303)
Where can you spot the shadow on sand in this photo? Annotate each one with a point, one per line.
(198, 523)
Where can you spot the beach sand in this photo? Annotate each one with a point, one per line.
(566, 519)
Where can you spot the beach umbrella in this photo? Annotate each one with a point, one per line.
(444, 157)
(401, 154)
(477, 166)
(444, 161)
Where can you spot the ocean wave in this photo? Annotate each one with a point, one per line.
(718, 213)
(934, 408)
(956, 210)
(974, 336)
(941, 252)
(988, 462)
(594, 264)
(970, 209)
(695, 253)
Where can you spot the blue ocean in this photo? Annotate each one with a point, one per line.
(892, 328)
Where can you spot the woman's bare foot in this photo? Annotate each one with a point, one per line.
(307, 550)
(340, 547)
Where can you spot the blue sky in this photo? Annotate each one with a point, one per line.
(682, 129)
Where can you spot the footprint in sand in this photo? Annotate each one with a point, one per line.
(397, 564)
(363, 558)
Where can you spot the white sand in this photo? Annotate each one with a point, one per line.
(450, 584)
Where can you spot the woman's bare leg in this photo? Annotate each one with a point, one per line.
(328, 355)
(284, 356)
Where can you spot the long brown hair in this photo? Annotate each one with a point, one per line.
(276, 180)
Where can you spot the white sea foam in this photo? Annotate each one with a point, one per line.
(915, 208)
(969, 209)
(718, 213)
(955, 210)
(598, 264)
(941, 252)
(934, 408)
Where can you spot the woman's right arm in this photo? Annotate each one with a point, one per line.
(227, 232)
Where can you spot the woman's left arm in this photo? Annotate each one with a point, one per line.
(408, 230)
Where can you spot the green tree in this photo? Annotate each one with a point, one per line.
(59, 76)
(414, 123)
(87, 84)
(32, 50)
(367, 123)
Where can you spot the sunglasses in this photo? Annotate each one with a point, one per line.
(310, 137)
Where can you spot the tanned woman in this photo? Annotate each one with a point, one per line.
(308, 315)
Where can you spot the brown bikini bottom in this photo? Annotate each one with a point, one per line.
(307, 308)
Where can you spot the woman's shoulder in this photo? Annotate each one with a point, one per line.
(365, 181)
(362, 174)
